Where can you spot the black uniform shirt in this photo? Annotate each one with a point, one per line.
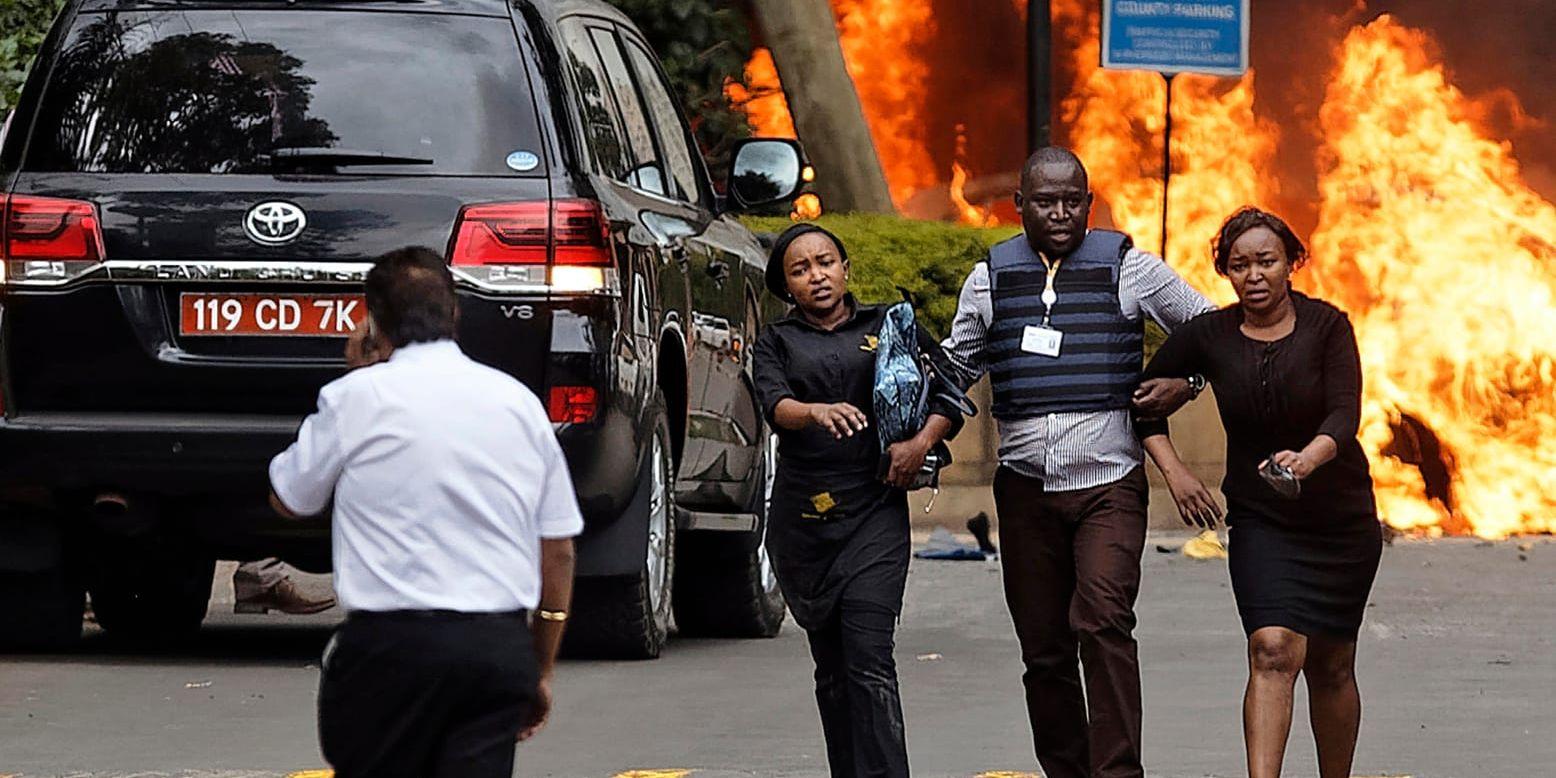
(832, 520)
(795, 359)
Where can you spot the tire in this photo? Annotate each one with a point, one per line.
(725, 587)
(41, 611)
(42, 600)
(153, 603)
(629, 617)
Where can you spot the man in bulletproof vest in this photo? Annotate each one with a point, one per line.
(1056, 318)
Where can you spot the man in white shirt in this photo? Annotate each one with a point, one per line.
(453, 520)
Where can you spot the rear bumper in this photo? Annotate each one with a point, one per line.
(165, 454)
(172, 455)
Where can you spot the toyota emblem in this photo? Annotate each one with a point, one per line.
(274, 223)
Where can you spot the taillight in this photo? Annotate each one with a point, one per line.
(573, 404)
(48, 239)
(565, 244)
(502, 234)
(581, 233)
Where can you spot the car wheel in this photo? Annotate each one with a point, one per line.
(629, 617)
(41, 610)
(153, 603)
(41, 597)
(726, 586)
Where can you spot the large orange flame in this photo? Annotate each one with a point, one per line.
(966, 212)
(763, 102)
(1428, 235)
(879, 38)
(1446, 261)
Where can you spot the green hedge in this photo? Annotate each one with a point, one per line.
(929, 259)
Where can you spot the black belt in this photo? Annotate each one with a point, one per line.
(438, 615)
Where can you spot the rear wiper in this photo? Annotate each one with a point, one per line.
(319, 155)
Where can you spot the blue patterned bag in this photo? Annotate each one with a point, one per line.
(901, 389)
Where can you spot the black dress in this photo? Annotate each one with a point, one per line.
(832, 520)
(1305, 564)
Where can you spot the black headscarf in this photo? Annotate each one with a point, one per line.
(775, 277)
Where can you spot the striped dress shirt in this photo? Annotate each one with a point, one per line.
(1069, 451)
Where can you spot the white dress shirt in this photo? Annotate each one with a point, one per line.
(1070, 451)
(445, 476)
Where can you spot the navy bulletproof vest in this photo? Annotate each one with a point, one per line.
(1102, 353)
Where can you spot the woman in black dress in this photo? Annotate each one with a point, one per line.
(1287, 378)
(837, 532)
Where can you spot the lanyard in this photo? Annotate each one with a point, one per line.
(1049, 295)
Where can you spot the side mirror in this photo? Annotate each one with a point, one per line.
(766, 171)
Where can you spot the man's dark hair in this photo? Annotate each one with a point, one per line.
(410, 294)
(1247, 218)
(1049, 155)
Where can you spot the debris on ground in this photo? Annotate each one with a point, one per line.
(198, 685)
(979, 527)
(1205, 545)
(943, 545)
(930, 657)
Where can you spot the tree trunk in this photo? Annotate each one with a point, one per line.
(802, 35)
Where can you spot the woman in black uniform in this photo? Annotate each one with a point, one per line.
(1287, 378)
(837, 532)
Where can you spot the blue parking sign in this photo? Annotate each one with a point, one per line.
(1207, 36)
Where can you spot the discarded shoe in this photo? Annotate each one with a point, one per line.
(979, 527)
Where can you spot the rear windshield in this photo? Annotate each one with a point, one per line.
(260, 91)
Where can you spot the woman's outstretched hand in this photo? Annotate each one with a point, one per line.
(1196, 506)
(840, 419)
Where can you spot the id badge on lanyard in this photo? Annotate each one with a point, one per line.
(1044, 340)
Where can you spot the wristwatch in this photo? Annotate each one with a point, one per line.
(1196, 384)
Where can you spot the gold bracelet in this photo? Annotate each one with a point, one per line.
(557, 616)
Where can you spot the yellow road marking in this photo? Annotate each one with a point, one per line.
(1007, 774)
(653, 774)
(312, 774)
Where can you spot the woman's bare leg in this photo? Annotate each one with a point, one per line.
(1334, 703)
(1275, 656)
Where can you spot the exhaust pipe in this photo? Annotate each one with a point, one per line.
(110, 505)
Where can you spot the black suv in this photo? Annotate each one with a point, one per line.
(194, 192)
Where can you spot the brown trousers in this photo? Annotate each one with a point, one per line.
(1071, 563)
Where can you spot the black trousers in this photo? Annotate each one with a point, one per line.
(426, 693)
(856, 678)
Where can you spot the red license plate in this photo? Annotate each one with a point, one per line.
(309, 315)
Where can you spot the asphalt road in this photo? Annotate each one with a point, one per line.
(1457, 665)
